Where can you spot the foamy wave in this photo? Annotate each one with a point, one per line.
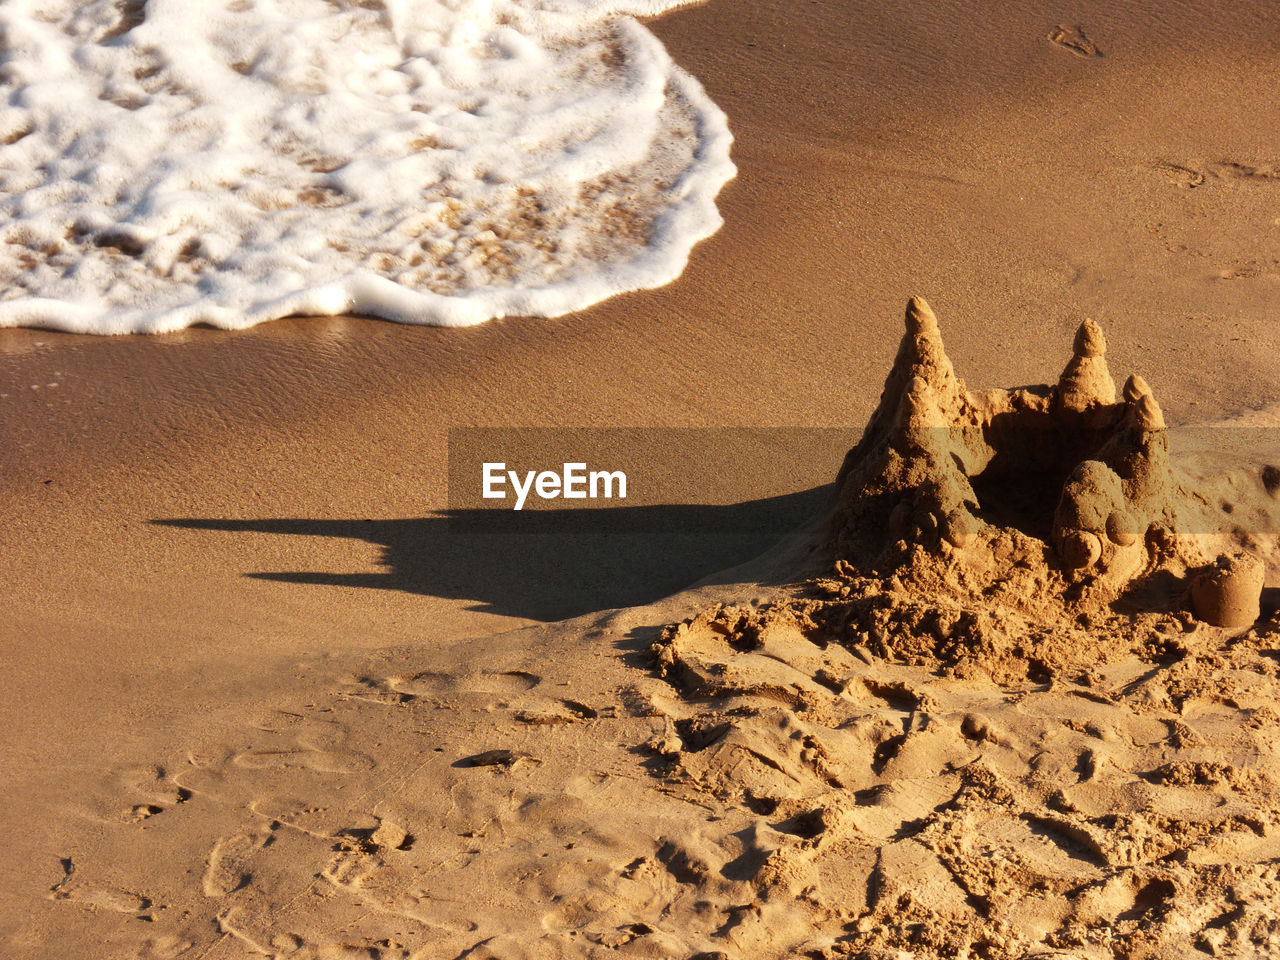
(172, 162)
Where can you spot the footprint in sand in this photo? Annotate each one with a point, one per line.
(98, 896)
(304, 758)
(1071, 38)
(374, 691)
(1188, 178)
(350, 869)
(1240, 270)
(506, 683)
(560, 712)
(229, 862)
(164, 947)
(314, 819)
(1249, 172)
(503, 759)
(147, 791)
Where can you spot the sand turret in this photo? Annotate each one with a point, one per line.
(913, 438)
(1138, 450)
(921, 391)
(1227, 593)
(1086, 382)
(921, 353)
(1144, 413)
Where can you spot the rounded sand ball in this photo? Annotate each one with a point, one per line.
(959, 528)
(1079, 549)
(1228, 593)
(1122, 528)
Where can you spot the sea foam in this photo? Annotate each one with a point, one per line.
(172, 162)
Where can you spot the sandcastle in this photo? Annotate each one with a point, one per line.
(992, 727)
(1067, 473)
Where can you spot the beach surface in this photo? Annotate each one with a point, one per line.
(227, 606)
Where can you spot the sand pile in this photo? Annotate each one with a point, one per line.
(1130, 811)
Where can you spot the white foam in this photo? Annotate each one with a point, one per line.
(427, 161)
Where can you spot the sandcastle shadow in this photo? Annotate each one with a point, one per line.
(547, 564)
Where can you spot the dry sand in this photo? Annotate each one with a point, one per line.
(203, 763)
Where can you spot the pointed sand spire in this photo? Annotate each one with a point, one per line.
(1135, 388)
(1086, 382)
(1089, 340)
(922, 347)
(921, 356)
(920, 317)
(1144, 412)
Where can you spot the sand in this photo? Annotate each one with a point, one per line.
(936, 149)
